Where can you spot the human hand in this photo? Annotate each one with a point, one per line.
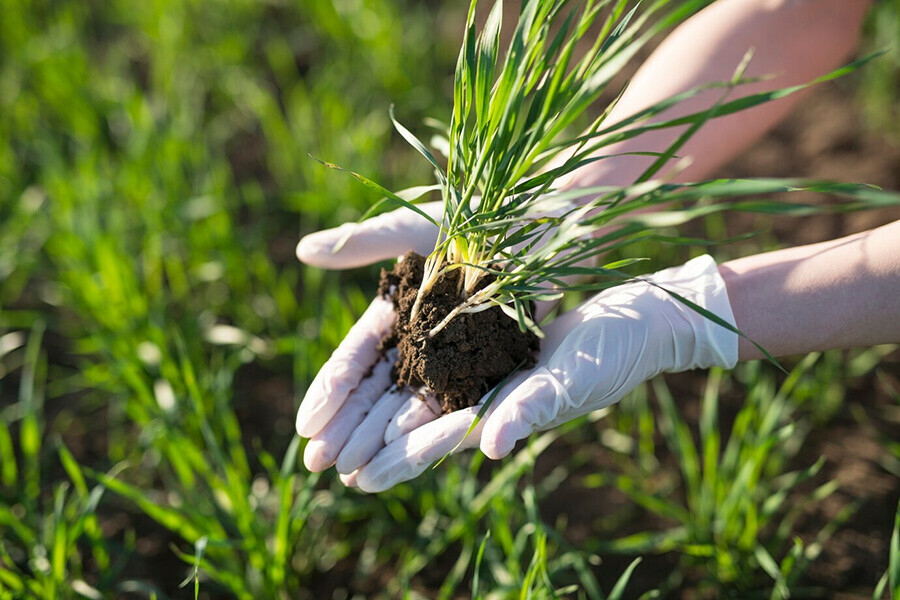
(591, 357)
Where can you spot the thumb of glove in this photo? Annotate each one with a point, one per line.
(379, 238)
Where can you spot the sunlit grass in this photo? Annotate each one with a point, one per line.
(51, 530)
(153, 181)
(733, 505)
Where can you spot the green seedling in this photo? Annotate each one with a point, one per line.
(737, 506)
(890, 581)
(510, 232)
(51, 534)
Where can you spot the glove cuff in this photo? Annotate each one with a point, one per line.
(699, 281)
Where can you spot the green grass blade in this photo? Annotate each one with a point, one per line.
(769, 565)
(476, 577)
(414, 141)
(488, 50)
(894, 569)
(9, 471)
(618, 591)
(388, 195)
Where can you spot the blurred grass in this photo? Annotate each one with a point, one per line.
(153, 172)
(735, 520)
(880, 87)
(156, 332)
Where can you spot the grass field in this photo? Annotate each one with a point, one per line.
(157, 333)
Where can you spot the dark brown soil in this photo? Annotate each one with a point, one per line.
(464, 360)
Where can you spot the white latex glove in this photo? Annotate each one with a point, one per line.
(378, 437)
(591, 358)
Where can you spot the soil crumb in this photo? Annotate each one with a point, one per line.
(467, 358)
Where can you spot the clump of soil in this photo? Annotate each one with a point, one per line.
(464, 360)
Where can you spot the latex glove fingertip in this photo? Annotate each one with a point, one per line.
(318, 249)
(498, 441)
(350, 479)
(315, 456)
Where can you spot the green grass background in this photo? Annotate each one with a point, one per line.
(156, 334)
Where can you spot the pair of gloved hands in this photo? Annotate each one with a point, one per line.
(591, 357)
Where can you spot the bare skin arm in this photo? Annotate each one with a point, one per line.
(793, 40)
(836, 294)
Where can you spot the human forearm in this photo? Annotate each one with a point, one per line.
(837, 294)
(794, 41)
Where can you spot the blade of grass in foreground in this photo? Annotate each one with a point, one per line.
(387, 194)
(895, 556)
(891, 578)
(478, 558)
(618, 592)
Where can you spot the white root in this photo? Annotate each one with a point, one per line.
(428, 279)
(477, 298)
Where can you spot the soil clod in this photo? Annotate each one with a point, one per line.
(467, 358)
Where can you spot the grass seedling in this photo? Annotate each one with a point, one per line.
(736, 519)
(51, 534)
(509, 235)
(891, 579)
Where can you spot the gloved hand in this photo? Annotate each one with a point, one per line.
(591, 358)
(349, 419)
